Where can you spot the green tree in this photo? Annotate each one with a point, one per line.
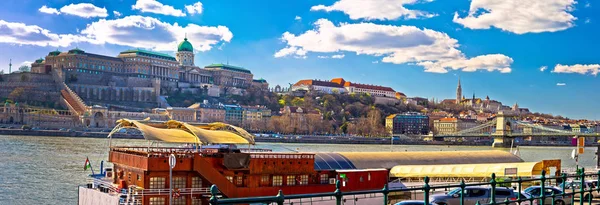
(24, 68)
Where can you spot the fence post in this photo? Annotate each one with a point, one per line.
(543, 187)
(338, 193)
(280, 198)
(493, 193)
(582, 197)
(385, 191)
(426, 189)
(213, 195)
(462, 192)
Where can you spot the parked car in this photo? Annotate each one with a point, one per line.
(26, 127)
(587, 185)
(472, 195)
(535, 191)
(410, 202)
(62, 129)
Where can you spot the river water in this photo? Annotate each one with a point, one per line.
(47, 170)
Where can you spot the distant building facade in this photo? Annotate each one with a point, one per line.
(410, 123)
(319, 86)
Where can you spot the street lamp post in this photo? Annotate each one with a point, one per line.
(172, 162)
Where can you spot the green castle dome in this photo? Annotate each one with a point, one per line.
(185, 45)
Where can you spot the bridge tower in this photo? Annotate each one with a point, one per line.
(503, 130)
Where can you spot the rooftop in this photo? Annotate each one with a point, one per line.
(228, 67)
(318, 83)
(149, 53)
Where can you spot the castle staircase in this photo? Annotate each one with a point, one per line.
(69, 98)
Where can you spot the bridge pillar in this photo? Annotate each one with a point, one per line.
(503, 129)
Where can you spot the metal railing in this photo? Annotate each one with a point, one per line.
(578, 180)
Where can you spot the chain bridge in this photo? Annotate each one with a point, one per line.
(506, 127)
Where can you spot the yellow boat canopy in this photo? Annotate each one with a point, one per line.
(180, 132)
(523, 169)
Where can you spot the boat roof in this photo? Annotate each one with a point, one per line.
(387, 160)
(522, 169)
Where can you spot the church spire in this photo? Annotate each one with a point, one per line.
(458, 92)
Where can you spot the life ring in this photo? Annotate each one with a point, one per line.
(176, 193)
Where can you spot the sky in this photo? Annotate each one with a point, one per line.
(540, 54)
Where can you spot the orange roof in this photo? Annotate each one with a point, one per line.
(448, 119)
(345, 83)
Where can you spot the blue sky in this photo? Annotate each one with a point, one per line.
(418, 47)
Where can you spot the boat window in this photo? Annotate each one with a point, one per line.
(264, 180)
(179, 182)
(157, 201)
(196, 201)
(239, 180)
(303, 179)
(196, 182)
(361, 179)
(291, 180)
(324, 179)
(179, 200)
(230, 178)
(157, 182)
(277, 180)
(369, 176)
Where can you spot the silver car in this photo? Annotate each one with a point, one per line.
(535, 191)
(472, 195)
(587, 185)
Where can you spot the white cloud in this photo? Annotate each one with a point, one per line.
(587, 5)
(195, 8)
(153, 6)
(587, 20)
(85, 10)
(376, 9)
(48, 10)
(322, 56)
(375, 62)
(543, 68)
(116, 14)
(561, 84)
(592, 69)
(22, 34)
(149, 32)
(298, 18)
(27, 63)
(519, 16)
(340, 56)
(433, 50)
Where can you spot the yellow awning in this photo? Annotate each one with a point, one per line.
(180, 132)
(523, 169)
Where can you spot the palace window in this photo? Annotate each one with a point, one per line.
(157, 182)
(291, 180)
(157, 201)
(179, 182)
(196, 182)
(277, 180)
(303, 179)
(324, 178)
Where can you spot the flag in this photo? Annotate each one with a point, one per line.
(87, 164)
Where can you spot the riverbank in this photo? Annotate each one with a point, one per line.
(286, 139)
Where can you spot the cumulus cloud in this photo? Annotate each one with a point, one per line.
(27, 63)
(22, 34)
(322, 56)
(156, 7)
(592, 69)
(543, 68)
(338, 56)
(433, 50)
(298, 18)
(149, 32)
(561, 84)
(195, 8)
(116, 14)
(376, 9)
(48, 10)
(85, 10)
(519, 16)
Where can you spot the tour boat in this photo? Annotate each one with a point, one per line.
(223, 155)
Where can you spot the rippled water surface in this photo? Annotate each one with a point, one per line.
(47, 170)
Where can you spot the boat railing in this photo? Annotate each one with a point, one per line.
(281, 156)
(183, 152)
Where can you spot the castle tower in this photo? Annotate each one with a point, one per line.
(185, 53)
(458, 92)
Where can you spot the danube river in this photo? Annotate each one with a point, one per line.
(47, 170)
